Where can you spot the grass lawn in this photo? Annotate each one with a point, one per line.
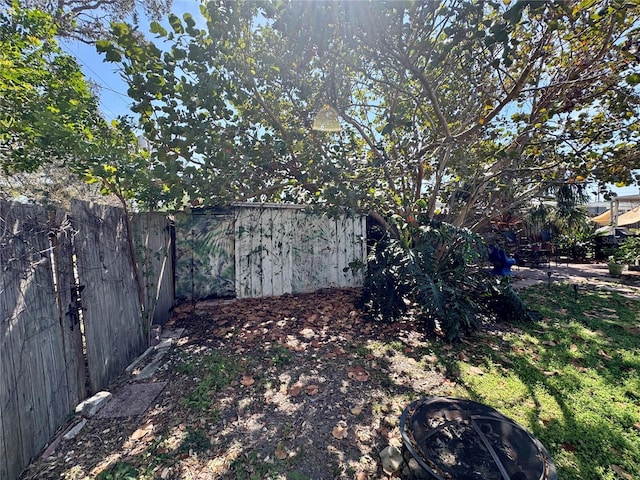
(572, 379)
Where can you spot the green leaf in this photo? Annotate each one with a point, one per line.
(633, 79)
(175, 23)
(158, 29)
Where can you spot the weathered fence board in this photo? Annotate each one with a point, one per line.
(112, 312)
(290, 250)
(266, 250)
(154, 244)
(34, 398)
(68, 305)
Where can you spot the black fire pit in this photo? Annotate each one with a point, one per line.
(455, 439)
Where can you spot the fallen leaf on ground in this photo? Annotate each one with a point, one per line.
(636, 425)
(312, 390)
(568, 447)
(605, 355)
(294, 391)
(280, 453)
(356, 410)
(141, 432)
(247, 380)
(339, 432)
(476, 371)
(357, 373)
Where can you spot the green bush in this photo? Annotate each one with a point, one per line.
(437, 278)
(629, 250)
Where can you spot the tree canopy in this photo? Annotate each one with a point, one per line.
(453, 110)
(89, 20)
(49, 118)
(46, 107)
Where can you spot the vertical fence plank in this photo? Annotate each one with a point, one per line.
(267, 252)
(281, 250)
(242, 253)
(68, 307)
(152, 237)
(113, 321)
(12, 454)
(255, 254)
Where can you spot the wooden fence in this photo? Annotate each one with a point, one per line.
(73, 315)
(255, 250)
(68, 279)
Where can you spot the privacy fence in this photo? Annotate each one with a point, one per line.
(258, 250)
(73, 314)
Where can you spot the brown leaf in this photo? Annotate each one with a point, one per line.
(463, 357)
(568, 447)
(476, 371)
(141, 432)
(605, 355)
(621, 473)
(247, 380)
(357, 373)
(280, 453)
(357, 410)
(294, 391)
(636, 425)
(339, 432)
(549, 343)
(312, 390)
(361, 476)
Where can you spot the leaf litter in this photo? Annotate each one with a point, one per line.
(299, 389)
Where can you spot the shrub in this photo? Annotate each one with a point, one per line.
(437, 278)
(629, 250)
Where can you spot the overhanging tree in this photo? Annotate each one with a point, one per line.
(88, 20)
(50, 117)
(453, 110)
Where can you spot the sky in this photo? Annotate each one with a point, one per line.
(112, 89)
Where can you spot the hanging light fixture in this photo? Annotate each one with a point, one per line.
(327, 120)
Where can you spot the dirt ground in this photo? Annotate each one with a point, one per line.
(295, 387)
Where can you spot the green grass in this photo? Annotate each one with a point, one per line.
(216, 371)
(572, 379)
